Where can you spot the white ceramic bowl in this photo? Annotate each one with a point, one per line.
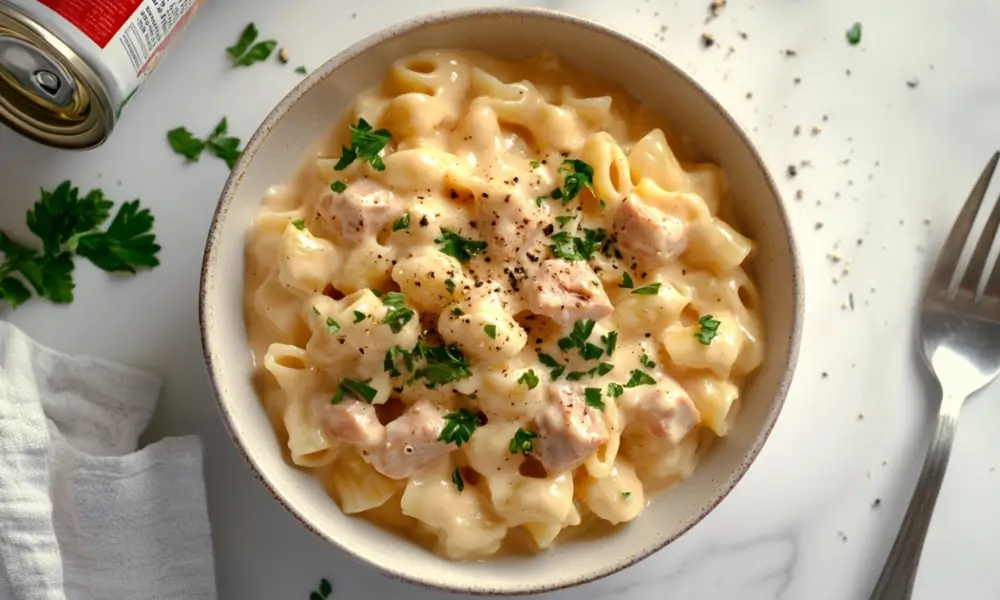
(279, 146)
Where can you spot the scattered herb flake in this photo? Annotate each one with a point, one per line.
(457, 312)
(626, 282)
(301, 70)
(359, 316)
(854, 34)
(402, 222)
(648, 290)
(459, 427)
(522, 441)
(450, 285)
(615, 390)
(529, 379)
(708, 329)
(569, 247)
(185, 144)
(646, 361)
(338, 186)
(592, 396)
(457, 246)
(577, 175)
(609, 341)
(332, 326)
(365, 146)
(245, 52)
(639, 378)
(491, 331)
(299, 224)
(353, 387)
(456, 478)
(563, 220)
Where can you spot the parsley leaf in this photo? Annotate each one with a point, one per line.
(535, 164)
(647, 362)
(457, 246)
(578, 339)
(449, 284)
(853, 34)
(626, 282)
(244, 54)
(615, 390)
(522, 441)
(609, 341)
(353, 387)
(224, 147)
(576, 176)
(332, 326)
(557, 369)
(389, 364)
(459, 427)
(592, 396)
(456, 478)
(185, 144)
(639, 378)
(445, 364)
(338, 186)
(568, 247)
(563, 220)
(402, 222)
(301, 70)
(14, 292)
(648, 290)
(299, 224)
(627, 496)
(709, 328)
(529, 379)
(491, 331)
(128, 243)
(60, 217)
(598, 371)
(359, 316)
(399, 314)
(365, 145)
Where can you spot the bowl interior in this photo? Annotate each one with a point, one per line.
(278, 148)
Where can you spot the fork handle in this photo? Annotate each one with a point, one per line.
(900, 570)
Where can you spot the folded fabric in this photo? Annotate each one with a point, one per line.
(83, 514)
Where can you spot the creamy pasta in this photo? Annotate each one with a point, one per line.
(496, 307)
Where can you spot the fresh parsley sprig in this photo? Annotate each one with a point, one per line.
(569, 247)
(245, 52)
(578, 339)
(353, 387)
(218, 143)
(523, 441)
(399, 314)
(457, 246)
(68, 225)
(577, 175)
(365, 146)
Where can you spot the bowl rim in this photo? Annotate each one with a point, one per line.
(366, 44)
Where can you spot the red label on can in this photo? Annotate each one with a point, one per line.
(99, 20)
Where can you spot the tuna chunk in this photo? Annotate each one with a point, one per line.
(567, 291)
(354, 422)
(568, 430)
(411, 442)
(361, 210)
(666, 411)
(649, 233)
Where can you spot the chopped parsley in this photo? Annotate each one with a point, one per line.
(598, 371)
(459, 427)
(402, 222)
(218, 143)
(578, 339)
(301, 70)
(576, 176)
(529, 379)
(338, 186)
(389, 364)
(535, 164)
(569, 247)
(708, 329)
(639, 378)
(564, 219)
(539, 200)
(445, 364)
(299, 224)
(245, 52)
(615, 390)
(323, 591)
(626, 282)
(398, 314)
(457, 312)
(457, 246)
(365, 146)
(646, 361)
(557, 369)
(359, 316)
(592, 396)
(853, 34)
(332, 326)
(68, 224)
(450, 285)
(627, 496)
(648, 290)
(353, 387)
(456, 478)
(609, 341)
(491, 331)
(522, 442)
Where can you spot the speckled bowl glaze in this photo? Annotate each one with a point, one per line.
(281, 143)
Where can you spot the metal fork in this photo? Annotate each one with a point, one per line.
(960, 339)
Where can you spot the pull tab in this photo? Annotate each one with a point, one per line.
(35, 73)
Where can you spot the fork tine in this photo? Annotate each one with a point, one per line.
(977, 264)
(947, 261)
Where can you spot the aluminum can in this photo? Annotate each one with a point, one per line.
(68, 68)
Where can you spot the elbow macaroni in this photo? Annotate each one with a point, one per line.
(424, 283)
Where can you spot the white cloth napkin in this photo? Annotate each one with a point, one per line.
(83, 514)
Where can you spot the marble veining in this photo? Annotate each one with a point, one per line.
(886, 138)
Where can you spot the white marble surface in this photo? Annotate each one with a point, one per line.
(801, 525)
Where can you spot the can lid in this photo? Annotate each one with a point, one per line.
(47, 92)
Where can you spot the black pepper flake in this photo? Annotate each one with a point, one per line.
(516, 180)
(912, 83)
(707, 40)
(513, 282)
(789, 53)
(549, 229)
(453, 194)
(473, 224)
(479, 283)
(423, 221)
(485, 195)
(793, 170)
(532, 257)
